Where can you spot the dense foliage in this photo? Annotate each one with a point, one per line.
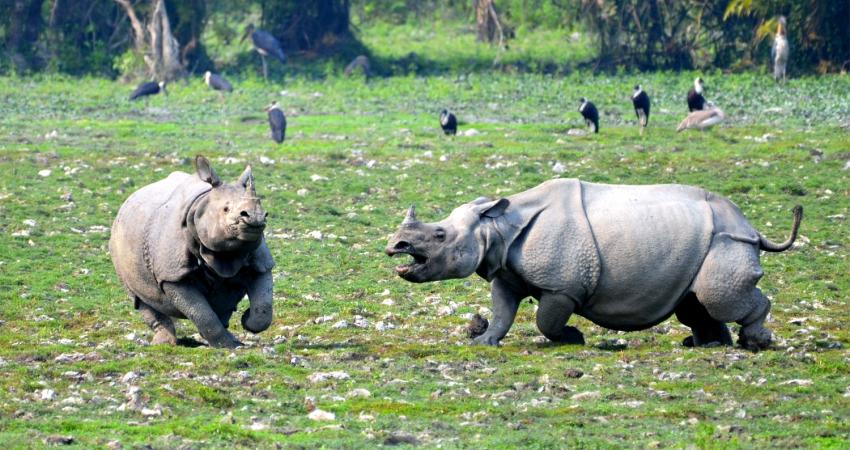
(94, 36)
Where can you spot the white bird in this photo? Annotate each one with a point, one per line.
(703, 118)
(779, 53)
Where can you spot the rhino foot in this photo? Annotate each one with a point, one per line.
(755, 340)
(689, 342)
(484, 339)
(570, 335)
(164, 336)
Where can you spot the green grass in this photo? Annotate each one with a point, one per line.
(379, 145)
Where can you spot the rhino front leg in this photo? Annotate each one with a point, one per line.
(506, 300)
(258, 316)
(195, 307)
(552, 316)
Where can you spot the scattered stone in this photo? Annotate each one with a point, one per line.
(30, 223)
(129, 377)
(156, 411)
(470, 132)
(361, 322)
(797, 382)
(319, 377)
(384, 326)
(302, 192)
(44, 173)
(316, 177)
(316, 234)
(359, 392)
(341, 324)
(477, 326)
(266, 160)
(612, 344)
(559, 168)
(47, 395)
(576, 132)
(587, 395)
(401, 438)
(59, 440)
(321, 416)
(574, 373)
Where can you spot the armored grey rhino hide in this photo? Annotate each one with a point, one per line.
(190, 246)
(624, 257)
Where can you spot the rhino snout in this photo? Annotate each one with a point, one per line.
(399, 247)
(253, 218)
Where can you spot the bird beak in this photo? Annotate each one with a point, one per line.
(247, 32)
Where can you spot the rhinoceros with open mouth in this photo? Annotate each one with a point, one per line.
(625, 257)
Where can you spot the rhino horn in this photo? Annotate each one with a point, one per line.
(410, 218)
(247, 180)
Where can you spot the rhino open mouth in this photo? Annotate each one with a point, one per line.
(405, 269)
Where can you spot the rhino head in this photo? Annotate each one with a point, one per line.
(229, 218)
(451, 248)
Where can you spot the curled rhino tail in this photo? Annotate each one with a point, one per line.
(765, 243)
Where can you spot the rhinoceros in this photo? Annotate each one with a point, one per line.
(625, 257)
(190, 246)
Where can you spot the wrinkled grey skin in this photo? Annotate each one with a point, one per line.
(624, 257)
(190, 246)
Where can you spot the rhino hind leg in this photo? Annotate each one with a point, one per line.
(552, 315)
(707, 331)
(726, 287)
(753, 335)
(162, 325)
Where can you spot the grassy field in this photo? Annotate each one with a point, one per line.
(73, 355)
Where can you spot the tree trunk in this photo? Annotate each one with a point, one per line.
(157, 45)
(487, 21)
(25, 25)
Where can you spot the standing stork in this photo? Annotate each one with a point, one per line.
(217, 82)
(265, 44)
(640, 100)
(590, 113)
(147, 89)
(779, 52)
(448, 122)
(702, 119)
(277, 122)
(696, 101)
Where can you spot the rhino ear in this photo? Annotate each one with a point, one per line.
(493, 208)
(206, 172)
(246, 176)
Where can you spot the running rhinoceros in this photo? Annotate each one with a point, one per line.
(190, 246)
(624, 257)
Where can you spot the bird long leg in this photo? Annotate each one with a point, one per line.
(265, 68)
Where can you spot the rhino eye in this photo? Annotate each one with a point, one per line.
(226, 208)
(440, 234)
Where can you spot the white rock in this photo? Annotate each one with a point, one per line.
(384, 326)
(129, 377)
(316, 234)
(44, 173)
(576, 132)
(302, 192)
(361, 322)
(559, 168)
(470, 132)
(319, 377)
(47, 395)
(324, 319)
(316, 177)
(321, 416)
(341, 324)
(359, 392)
(388, 302)
(152, 412)
(265, 160)
(797, 382)
(30, 223)
(428, 154)
(444, 158)
(587, 395)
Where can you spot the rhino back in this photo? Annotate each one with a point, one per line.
(132, 236)
(651, 241)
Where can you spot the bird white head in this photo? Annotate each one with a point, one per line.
(698, 85)
(273, 105)
(162, 87)
(638, 90)
(583, 104)
(781, 25)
